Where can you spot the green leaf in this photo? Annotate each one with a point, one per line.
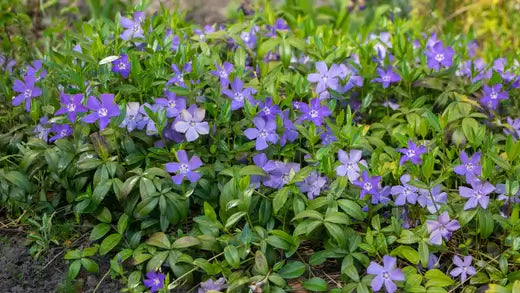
(99, 231)
(267, 46)
(302, 174)
(280, 198)
(109, 243)
(231, 255)
(351, 208)
(234, 218)
(315, 284)
(101, 190)
(486, 224)
(72, 254)
(261, 267)
(436, 278)
(251, 170)
(185, 242)
(90, 265)
(292, 270)
(122, 224)
(311, 214)
(74, 268)
(424, 253)
(407, 253)
(159, 239)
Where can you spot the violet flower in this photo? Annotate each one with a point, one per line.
(279, 25)
(211, 285)
(121, 66)
(223, 73)
(279, 173)
(349, 73)
(27, 91)
(433, 262)
(7, 64)
(71, 104)
(386, 77)
(438, 56)
(469, 167)
(35, 69)
(132, 116)
(154, 281)
(464, 267)
(405, 193)
(442, 228)
(178, 78)
(102, 111)
(42, 129)
(208, 29)
(264, 132)
(477, 194)
(412, 153)
(60, 131)
(503, 195)
(312, 185)
(249, 37)
(290, 132)
(268, 109)
(493, 95)
(173, 104)
(184, 168)
(325, 78)
(368, 185)
(191, 124)
(350, 164)
(432, 198)
(315, 113)
(238, 94)
(515, 125)
(132, 28)
(327, 137)
(147, 122)
(385, 274)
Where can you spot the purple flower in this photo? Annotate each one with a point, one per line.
(432, 198)
(386, 77)
(350, 74)
(327, 137)
(312, 185)
(442, 228)
(27, 91)
(383, 195)
(7, 64)
(154, 281)
(315, 113)
(121, 65)
(132, 117)
(492, 95)
(412, 153)
(71, 104)
(264, 132)
(173, 104)
(385, 274)
(405, 193)
(464, 267)
(469, 167)
(279, 25)
(208, 29)
(477, 194)
(290, 133)
(178, 78)
(35, 69)
(350, 164)
(184, 168)
(146, 121)
(191, 123)
(223, 73)
(515, 125)
(268, 110)
(132, 28)
(279, 173)
(60, 131)
(503, 194)
(249, 37)
(325, 78)
(42, 130)
(433, 262)
(368, 185)
(238, 94)
(102, 111)
(390, 104)
(210, 285)
(438, 56)
(383, 43)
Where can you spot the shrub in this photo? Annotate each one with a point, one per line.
(223, 155)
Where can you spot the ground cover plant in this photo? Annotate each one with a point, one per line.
(290, 149)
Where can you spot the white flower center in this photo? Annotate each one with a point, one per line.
(122, 66)
(313, 113)
(494, 95)
(469, 166)
(386, 78)
(240, 97)
(184, 168)
(386, 275)
(262, 133)
(324, 78)
(246, 37)
(367, 186)
(63, 133)
(350, 166)
(136, 28)
(410, 153)
(439, 57)
(103, 112)
(192, 123)
(156, 282)
(71, 107)
(171, 104)
(223, 74)
(297, 105)
(267, 111)
(28, 93)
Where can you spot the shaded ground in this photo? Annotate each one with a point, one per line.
(20, 273)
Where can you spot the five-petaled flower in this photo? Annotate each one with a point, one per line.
(469, 167)
(27, 91)
(368, 185)
(442, 228)
(60, 131)
(173, 104)
(121, 65)
(132, 28)
(386, 77)
(477, 194)
(71, 104)
(223, 73)
(312, 185)
(212, 286)
(102, 111)
(350, 164)
(191, 124)
(184, 168)
(493, 95)
(437, 56)
(315, 112)
(405, 193)
(238, 94)
(412, 153)
(464, 267)
(325, 78)
(264, 132)
(154, 281)
(385, 274)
